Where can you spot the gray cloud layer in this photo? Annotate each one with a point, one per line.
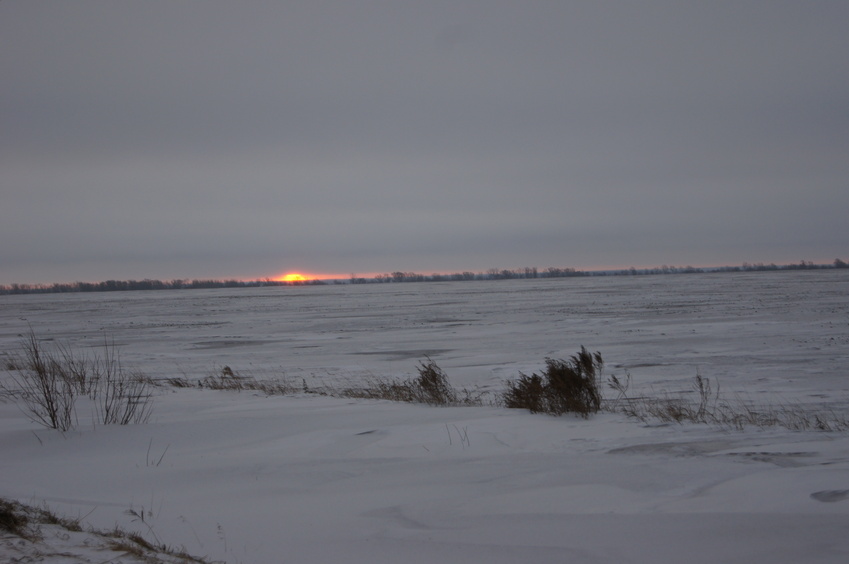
(214, 139)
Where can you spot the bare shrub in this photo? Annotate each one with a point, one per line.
(124, 398)
(566, 386)
(48, 382)
(44, 385)
(75, 367)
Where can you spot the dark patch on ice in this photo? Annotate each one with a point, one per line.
(405, 354)
(695, 448)
(181, 325)
(367, 432)
(830, 496)
(780, 459)
(396, 515)
(228, 344)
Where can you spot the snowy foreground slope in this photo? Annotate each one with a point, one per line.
(238, 477)
(312, 479)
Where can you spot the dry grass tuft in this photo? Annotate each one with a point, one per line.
(25, 522)
(12, 518)
(566, 386)
(710, 407)
(431, 387)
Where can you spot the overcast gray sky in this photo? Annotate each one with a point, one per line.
(163, 139)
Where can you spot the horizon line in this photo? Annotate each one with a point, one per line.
(306, 278)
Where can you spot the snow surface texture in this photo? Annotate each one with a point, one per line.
(243, 478)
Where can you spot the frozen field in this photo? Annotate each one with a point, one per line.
(252, 479)
(762, 332)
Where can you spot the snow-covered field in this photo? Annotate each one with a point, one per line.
(243, 478)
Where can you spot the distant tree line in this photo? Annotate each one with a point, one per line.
(147, 284)
(491, 274)
(556, 272)
(399, 276)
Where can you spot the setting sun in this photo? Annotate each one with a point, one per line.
(306, 277)
(293, 277)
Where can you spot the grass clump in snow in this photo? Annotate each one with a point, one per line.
(710, 407)
(27, 523)
(566, 386)
(48, 381)
(12, 519)
(431, 387)
(23, 520)
(227, 379)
